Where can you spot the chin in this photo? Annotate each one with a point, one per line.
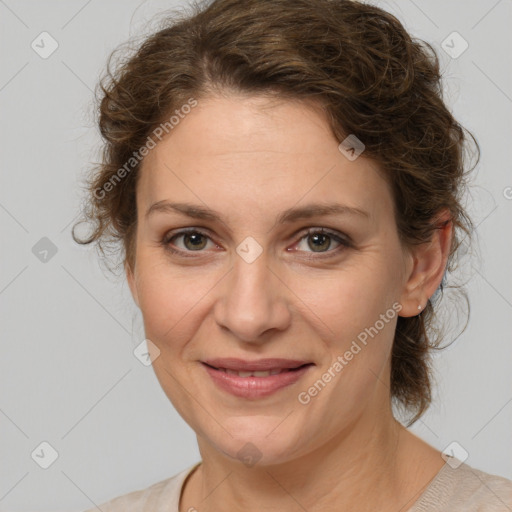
(258, 440)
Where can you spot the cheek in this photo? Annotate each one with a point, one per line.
(348, 301)
(171, 300)
(360, 318)
(352, 311)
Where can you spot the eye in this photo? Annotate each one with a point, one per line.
(193, 240)
(317, 240)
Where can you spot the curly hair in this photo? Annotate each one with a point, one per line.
(354, 60)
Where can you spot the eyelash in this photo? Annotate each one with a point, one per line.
(344, 242)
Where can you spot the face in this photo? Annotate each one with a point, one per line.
(253, 266)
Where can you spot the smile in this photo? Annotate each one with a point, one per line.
(250, 383)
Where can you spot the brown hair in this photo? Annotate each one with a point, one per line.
(354, 60)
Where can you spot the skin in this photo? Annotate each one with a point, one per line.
(249, 159)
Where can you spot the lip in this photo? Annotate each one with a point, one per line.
(255, 387)
(241, 365)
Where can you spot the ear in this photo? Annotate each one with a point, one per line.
(428, 266)
(130, 277)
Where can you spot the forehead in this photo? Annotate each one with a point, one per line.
(249, 154)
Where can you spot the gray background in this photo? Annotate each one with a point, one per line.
(69, 376)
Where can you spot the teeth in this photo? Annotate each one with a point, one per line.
(261, 374)
(266, 373)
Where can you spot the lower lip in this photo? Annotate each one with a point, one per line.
(254, 387)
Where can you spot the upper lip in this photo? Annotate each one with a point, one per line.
(232, 363)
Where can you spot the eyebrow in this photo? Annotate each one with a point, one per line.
(287, 216)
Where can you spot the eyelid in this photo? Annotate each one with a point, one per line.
(174, 234)
(341, 238)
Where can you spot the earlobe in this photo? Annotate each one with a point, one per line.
(428, 268)
(130, 278)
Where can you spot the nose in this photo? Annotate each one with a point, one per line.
(252, 301)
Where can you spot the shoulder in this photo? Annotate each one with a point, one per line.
(464, 488)
(161, 496)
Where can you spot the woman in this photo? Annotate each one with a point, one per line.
(284, 181)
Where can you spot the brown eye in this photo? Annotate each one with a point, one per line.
(194, 241)
(187, 241)
(321, 241)
(318, 242)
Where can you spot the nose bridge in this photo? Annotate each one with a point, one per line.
(252, 300)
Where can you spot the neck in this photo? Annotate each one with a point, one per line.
(368, 466)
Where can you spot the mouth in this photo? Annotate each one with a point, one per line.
(255, 379)
(258, 373)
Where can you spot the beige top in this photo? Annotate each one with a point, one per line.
(463, 489)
